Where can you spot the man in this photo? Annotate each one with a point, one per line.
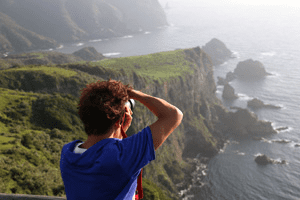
(106, 166)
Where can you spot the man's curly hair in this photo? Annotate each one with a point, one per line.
(102, 105)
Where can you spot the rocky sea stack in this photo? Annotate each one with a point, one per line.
(244, 123)
(257, 104)
(217, 51)
(89, 54)
(264, 160)
(250, 69)
(228, 92)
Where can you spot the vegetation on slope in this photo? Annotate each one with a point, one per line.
(38, 115)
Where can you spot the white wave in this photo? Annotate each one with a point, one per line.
(50, 49)
(99, 40)
(274, 74)
(239, 153)
(147, 32)
(234, 142)
(258, 154)
(284, 130)
(244, 97)
(111, 54)
(265, 140)
(236, 54)
(79, 44)
(225, 145)
(127, 36)
(282, 141)
(296, 145)
(271, 53)
(60, 46)
(223, 64)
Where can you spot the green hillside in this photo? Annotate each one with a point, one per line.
(38, 115)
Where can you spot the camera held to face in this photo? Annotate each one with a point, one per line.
(130, 103)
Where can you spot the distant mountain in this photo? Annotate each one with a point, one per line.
(15, 37)
(73, 20)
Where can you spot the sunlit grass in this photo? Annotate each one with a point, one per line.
(157, 66)
(49, 70)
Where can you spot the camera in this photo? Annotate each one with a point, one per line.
(130, 103)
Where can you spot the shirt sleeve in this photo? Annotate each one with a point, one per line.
(136, 151)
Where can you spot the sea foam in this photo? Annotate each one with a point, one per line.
(111, 54)
(98, 40)
(270, 54)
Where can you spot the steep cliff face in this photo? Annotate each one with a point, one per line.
(182, 77)
(71, 20)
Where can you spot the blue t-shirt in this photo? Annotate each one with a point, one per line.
(108, 170)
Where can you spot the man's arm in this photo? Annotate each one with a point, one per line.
(169, 116)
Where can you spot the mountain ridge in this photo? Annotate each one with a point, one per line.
(64, 21)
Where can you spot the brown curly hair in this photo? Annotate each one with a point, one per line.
(101, 105)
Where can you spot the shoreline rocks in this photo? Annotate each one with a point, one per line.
(257, 104)
(250, 69)
(88, 54)
(217, 51)
(265, 160)
(228, 92)
(244, 123)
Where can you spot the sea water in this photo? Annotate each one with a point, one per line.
(267, 34)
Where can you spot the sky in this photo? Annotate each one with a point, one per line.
(285, 3)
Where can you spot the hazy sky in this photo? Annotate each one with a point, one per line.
(289, 3)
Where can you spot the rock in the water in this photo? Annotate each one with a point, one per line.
(282, 128)
(228, 92)
(257, 104)
(264, 160)
(89, 54)
(244, 123)
(229, 77)
(221, 81)
(250, 69)
(217, 51)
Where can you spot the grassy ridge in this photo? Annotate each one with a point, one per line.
(44, 69)
(35, 125)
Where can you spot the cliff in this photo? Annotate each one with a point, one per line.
(73, 20)
(38, 115)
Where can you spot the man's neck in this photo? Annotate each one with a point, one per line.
(93, 139)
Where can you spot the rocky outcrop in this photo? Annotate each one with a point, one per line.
(264, 160)
(89, 54)
(230, 76)
(250, 69)
(228, 92)
(282, 128)
(217, 51)
(257, 104)
(244, 123)
(73, 20)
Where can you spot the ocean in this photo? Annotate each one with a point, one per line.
(267, 34)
